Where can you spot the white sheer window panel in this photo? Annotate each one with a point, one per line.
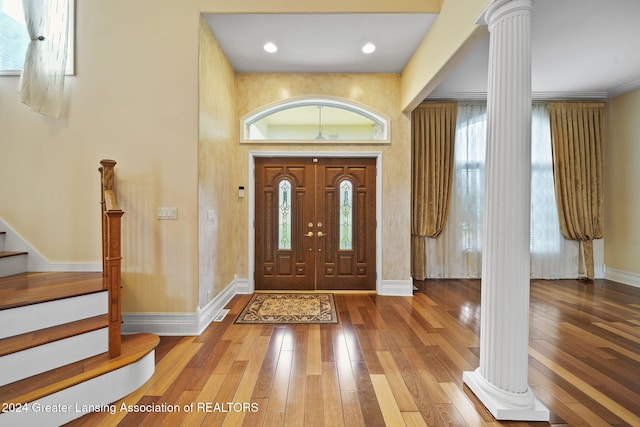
(552, 256)
(42, 78)
(457, 253)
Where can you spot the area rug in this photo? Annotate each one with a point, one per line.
(289, 308)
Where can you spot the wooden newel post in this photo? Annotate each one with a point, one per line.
(113, 279)
(111, 255)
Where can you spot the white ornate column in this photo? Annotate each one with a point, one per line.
(501, 380)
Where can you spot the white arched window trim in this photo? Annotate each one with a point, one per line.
(366, 112)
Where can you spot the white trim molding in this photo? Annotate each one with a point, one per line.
(625, 277)
(625, 88)
(396, 288)
(378, 118)
(182, 324)
(251, 199)
(535, 96)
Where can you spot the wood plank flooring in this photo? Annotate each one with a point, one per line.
(31, 288)
(396, 361)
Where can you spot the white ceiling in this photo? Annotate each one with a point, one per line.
(580, 48)
(329, 43)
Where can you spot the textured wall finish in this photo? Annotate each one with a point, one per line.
(379, 92)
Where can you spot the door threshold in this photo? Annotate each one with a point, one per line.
(318, 291)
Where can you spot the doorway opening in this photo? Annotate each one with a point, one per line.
(311, 251)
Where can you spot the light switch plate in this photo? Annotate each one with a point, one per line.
(167, 213)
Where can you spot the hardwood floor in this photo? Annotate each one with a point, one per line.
(397, 361)
(30, 288)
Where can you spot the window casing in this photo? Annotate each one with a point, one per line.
(315, 120)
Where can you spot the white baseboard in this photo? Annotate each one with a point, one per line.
(599, 272)
(397, 288)
(626, 277)
(182, 324)
(193, 324)
(243, 287)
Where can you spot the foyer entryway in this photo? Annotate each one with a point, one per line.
(315, 224)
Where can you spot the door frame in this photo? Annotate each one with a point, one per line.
(251, 183)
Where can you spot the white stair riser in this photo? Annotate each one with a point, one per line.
(101, 390)
(33, 361)
(13, 265)
(29, 318)
(2, 242)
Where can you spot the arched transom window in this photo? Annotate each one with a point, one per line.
(315, 120)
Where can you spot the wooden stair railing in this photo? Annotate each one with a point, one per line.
(111, 254)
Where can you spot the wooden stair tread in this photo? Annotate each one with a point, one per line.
(134, 348)
(32, 288)
(43, 336)
(6, 254)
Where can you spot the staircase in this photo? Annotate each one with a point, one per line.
(60, 354)
(11, 262)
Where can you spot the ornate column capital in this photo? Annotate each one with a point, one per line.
(500, 8)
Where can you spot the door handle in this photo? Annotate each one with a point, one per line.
(309, 234)
(321, 234)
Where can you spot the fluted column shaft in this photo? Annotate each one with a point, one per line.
(505, 261)
(501, 379)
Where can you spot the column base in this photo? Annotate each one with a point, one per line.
(504, 405)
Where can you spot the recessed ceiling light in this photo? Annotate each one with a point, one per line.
(368, 48)
(270, 47)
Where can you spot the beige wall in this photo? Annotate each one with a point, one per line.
(135, 99)
(379, 92)
(622, 184)
(217, 174)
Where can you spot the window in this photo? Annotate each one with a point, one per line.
(316, 120)
(13, 35)
(346, 215)
(284, 215)
(458, 251)
(469, 156)
(14, 38)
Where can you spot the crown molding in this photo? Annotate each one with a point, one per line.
(535, 96)
(625, 88)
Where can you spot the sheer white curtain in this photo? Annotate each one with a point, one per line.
(458, 251)
(552, 256)
(42, 78)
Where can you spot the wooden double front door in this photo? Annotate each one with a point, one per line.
(315, 224)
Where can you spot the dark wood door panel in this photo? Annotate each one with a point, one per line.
(318, 255)
(350, 265)
(284, 259)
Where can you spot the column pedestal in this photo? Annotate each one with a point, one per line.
(504, 405)
(501, 380)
